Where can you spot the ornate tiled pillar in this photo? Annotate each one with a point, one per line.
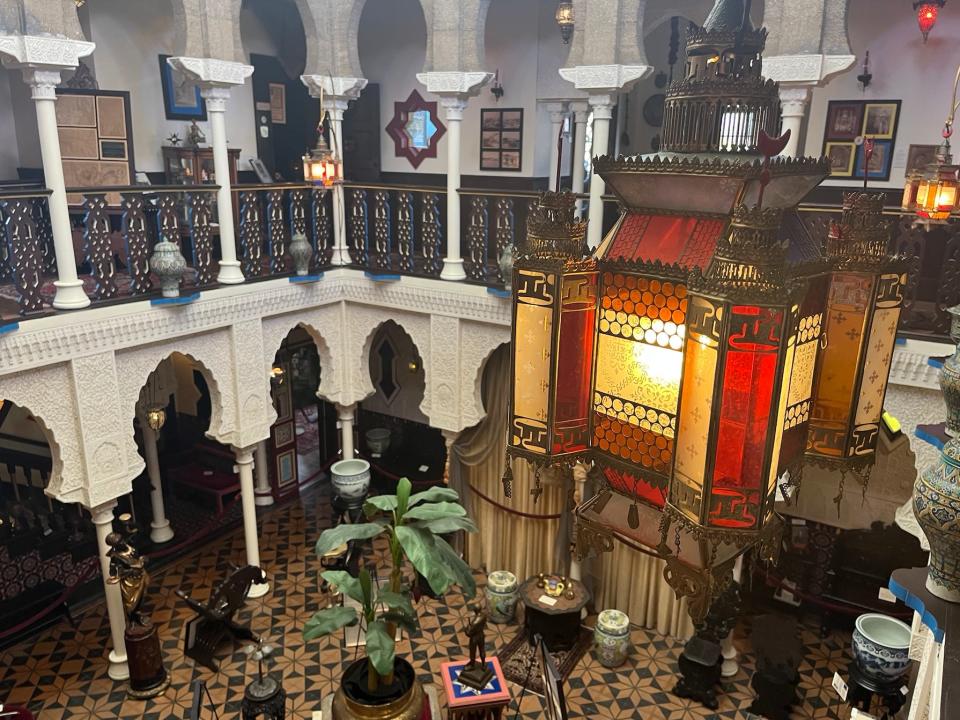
(336, 94)
(103, 522)
(244, 458)
(215, 78)
(455, 90)
(41, 59)
(601, 83)
(581, 111)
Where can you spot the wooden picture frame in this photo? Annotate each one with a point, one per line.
(921, 156)
(180, 102)
(286, 467)
(501, 139)
(278, 103)
(415, 129)
(848, 123)
(284, 433)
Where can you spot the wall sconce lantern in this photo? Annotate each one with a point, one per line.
(927, 13)
(277, 374)
(321, 166)
(565, 20)
(156, 417)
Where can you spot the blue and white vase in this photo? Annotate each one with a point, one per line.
(611, 638)
(350, 478)
(881, 647)
(502, 596)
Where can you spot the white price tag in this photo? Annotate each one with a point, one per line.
(423, 468)
(547, 600)
(840, 686)
(886, 595)
(904, 690)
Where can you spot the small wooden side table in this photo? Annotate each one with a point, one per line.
(465, 703)
(556, 620)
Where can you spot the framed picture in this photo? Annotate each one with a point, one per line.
(283, 433)
(849, 122)
(920, 156)
(841, 156)
(415, 129)
(278, 103)
(286, 467)
(501, 139)
(263, 175)
(181, 96)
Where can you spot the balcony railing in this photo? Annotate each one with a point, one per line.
(389, 230)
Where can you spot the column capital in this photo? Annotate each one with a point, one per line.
(453, 106)
(43, 83)
(216, 97)
(43, 51)
(605, 78)
(581, 111)
(556, 108)
(794, 100)
(810, 69)
(244, 455)
(211, 72)
(346, 412)
(602, 105)
(441, 82)
(103, 513)
(344, 89)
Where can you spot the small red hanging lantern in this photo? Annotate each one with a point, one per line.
(927, 12)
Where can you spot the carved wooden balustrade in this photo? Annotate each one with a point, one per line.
(395, 230)
(268, 218)
(27, 260)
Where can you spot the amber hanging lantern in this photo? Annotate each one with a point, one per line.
(565, 20)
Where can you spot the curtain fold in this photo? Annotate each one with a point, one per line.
(537, 539)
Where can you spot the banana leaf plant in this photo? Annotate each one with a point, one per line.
(413, 525)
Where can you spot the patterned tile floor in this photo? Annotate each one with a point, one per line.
(64, 673)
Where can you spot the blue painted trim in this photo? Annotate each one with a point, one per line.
(499, 292)
(381, 277)
(927, 437)
(303, 279)
(9, 328)
(901, 341)
(182, 300)
(935, 362)
(916, 604)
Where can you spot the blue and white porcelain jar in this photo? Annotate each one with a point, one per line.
(881, 646)
(502, 596)
(611, 638)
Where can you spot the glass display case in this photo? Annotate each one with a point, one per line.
(192, 166)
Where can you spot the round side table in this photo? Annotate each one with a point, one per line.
(264, 697)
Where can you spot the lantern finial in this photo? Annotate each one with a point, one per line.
(552, 231)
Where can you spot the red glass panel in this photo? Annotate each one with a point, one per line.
(652, 490)
(668, 238)
(574, 364)
(747, 399)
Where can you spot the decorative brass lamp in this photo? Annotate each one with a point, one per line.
(320, 165)
(681, 358)
(565, 20)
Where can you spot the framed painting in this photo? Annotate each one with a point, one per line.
(415, 129)
(181, 96)
(286, 468)
(880, 120)
(283, 433)
(501, 139)
(921, 156)
(278, 103)
(841, 156)
(844, 120)
(880, 160)
(849, 123)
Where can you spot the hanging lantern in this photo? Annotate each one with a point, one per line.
(321, 166)
(565, 20)
(156, 417)
(927, 12)
(863, 310)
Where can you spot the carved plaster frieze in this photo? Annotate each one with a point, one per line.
(340, 88)
(252, 384)
(466, 84)
(605, 79)
(478, 341)
(806, 69)
(42, 51)
(211, 71)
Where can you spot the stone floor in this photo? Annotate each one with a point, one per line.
(64, 673)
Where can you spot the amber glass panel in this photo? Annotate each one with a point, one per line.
(749, 383)
(847, 304)
(578, 312)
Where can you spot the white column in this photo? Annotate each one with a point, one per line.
(581, 111)
(345, 414)
(341, 254)
(103, 521)
(602, 113)
(160, 530)
(793, 109)
(557, 112)
(216, 97)
(453, 263)
(621, 120)
(264, 495)
(248, 501)
(43, 84)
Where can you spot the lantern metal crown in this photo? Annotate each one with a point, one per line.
(684, 358)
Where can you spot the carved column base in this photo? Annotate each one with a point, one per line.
(70, 295)
(230, 273)
(453, 269)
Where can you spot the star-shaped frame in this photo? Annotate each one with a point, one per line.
(415, 129)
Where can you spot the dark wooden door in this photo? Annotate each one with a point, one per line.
(361, 137)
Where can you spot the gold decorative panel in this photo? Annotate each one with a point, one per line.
(76, 110)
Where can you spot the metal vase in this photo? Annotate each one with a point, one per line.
(301, 251)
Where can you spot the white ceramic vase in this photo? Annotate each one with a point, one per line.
(350, 478)
(881, 646)
(502, 594)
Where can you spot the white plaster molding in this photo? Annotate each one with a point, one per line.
(605, 79)
(211, 71)
(467, 84)
(806, 69)
(342, 88)
(42, 51)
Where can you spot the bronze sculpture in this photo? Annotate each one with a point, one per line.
(476, 673)
(129, 571)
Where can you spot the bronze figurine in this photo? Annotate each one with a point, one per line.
(475, 673)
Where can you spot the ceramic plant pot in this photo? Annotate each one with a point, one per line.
(881, 646)
(350, 478)
(378, 440)
(168, 264)
(301, 251)
(611, 638)
(502, 596)
(403, 701)
(936, 505)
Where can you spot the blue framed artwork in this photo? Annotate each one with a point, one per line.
(879, 162)
(181, 96)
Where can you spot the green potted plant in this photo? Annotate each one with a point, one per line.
(382, 685)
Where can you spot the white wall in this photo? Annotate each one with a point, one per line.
(392, 44)
(129, 37)
(903, 69)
